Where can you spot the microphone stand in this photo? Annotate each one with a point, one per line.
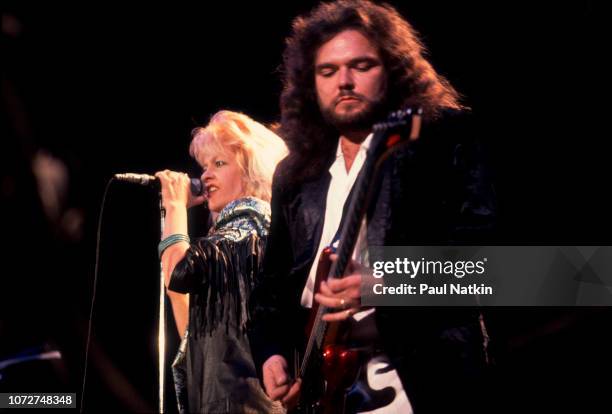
(161, 334)
(196, 189)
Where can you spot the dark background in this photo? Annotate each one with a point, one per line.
(108, 89)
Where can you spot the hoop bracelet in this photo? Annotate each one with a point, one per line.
(169, 241)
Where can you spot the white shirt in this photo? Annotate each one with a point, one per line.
(339, 189)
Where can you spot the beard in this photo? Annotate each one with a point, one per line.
(364, 119)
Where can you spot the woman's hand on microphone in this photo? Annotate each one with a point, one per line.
(176, 190)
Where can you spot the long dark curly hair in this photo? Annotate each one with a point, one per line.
(412, 81)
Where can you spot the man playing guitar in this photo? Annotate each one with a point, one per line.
(346, 65)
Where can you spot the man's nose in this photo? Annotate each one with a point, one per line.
(345, 79)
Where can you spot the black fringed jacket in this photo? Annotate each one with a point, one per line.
(216, 372)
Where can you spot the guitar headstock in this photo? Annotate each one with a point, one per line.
(401, 125)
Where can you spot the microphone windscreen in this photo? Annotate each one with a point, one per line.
(197, 188)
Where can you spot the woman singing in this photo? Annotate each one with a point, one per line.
(209, 279)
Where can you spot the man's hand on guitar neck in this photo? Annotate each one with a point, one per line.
(343, 294)
(278, 382)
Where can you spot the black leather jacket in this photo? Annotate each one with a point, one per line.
(435, 191)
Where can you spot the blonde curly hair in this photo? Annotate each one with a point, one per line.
(257, 149)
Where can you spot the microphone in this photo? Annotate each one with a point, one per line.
(197, 189)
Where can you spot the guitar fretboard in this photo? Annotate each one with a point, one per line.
(380, 148)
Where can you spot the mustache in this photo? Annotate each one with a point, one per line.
(348, 94)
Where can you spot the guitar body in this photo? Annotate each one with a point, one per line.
(340, 369)
(338, 365)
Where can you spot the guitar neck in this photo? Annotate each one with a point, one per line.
(382, 145)
(348, 239)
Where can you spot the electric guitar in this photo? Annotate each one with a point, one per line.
(328, 369)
